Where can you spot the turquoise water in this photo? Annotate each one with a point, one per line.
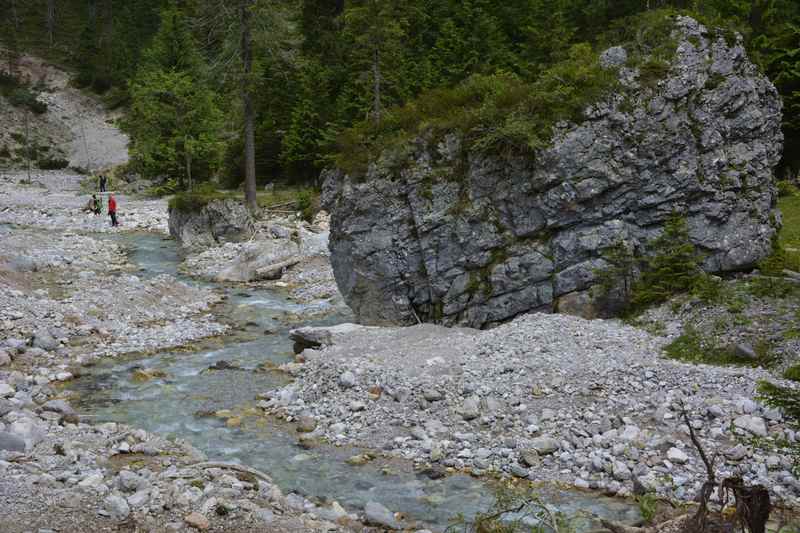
(177, 405)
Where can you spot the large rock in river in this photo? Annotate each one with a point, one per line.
(454, 236)
(216, 222)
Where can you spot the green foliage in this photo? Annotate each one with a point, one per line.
(193, 201)
(55, 163)
(648, 506)
(694, 347)
(314, 76)
(494, 112)
(792, 373)
(20, 94)
(308, 203)
(787, 189)
(174, 120)
(789, 236)
(671, 266)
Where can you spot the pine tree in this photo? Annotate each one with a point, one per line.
(376, 29)
(174, 120)
(672, 266)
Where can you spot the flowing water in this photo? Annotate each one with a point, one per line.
(180, 404)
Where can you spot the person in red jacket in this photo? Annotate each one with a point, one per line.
(112, 210)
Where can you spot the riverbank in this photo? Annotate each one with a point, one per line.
(70, 296)
(591, 404)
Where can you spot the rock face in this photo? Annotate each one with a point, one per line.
(458, 237)
(217, 222)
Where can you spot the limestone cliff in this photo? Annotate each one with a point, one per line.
(460, 237)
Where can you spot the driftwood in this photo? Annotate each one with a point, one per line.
(752, 503)
(275, 271)
(233, 466)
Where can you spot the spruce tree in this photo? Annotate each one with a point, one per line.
(174, 120)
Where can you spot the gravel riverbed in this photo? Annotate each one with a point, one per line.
(592, 404)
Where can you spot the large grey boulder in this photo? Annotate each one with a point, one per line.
(440, 233)
(218, 221)
(261, 260)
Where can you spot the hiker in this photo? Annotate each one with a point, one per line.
(112, 210)
(92, 206)
(103, 181)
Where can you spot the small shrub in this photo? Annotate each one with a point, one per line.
(648, 506)
(308, 204)
(671, 268)
(52, 164)
(792, 373)
(4, 152)
(163, 189)
(710, 289)
(693, 347)
(787, 188)
(195, 200)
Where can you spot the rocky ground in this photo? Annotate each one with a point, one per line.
(545, 397)
(75, 126)
(68, 295)
(275, 239)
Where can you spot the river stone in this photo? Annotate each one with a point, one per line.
(306, 424)
(5, 358)
(737, 453)
(58, 406)
(519, 471)
(6, 390)
(116, 507)
(529, 457)
(197, 521)
(677, 456)
(11, 443)
(544, 445)
(377, 514)
(347, 380)
(470, 409)
(128, 481)
(752, 424)
(28, 431)
(45, 341)
(513, 233)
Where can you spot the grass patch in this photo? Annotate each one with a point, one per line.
(191, 201)
(792, 373)
(789, 236)
(694, 347)
(304, 200)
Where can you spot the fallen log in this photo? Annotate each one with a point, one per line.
(275, 271)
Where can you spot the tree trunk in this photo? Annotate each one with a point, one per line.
(249, 111)
(14, 48)
(189, 169)
(51, 21)
(376, 74)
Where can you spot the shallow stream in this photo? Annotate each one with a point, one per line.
(179, 404)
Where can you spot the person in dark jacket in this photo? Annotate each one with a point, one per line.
(103, 182)
(112, 210)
